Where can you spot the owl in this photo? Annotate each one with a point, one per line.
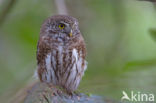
(61, 53)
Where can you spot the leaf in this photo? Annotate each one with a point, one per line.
(148, 0)
(153, 33)
(140, 63)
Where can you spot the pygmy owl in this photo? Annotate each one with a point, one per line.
(61, 52)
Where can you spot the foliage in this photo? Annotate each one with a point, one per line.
(121, 44)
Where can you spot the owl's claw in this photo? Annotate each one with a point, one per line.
(75, 93)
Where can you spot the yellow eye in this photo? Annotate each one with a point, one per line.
(61, 26)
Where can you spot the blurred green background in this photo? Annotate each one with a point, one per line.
(120, 37)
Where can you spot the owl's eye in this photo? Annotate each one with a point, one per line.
(61, 26)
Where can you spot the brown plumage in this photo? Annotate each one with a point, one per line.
(61, 52)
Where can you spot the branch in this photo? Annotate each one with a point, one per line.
(61, 7)
(148, 0)
(43, 93)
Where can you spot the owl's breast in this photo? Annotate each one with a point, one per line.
(64, 67)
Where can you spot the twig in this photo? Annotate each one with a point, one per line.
(45, 98)
(6, 10)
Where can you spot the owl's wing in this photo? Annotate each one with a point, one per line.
(82, 50)
(82, 47)
(42, 50)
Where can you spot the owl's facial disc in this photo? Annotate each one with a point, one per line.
(65, 28)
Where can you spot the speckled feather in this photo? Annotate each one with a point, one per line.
(61, 58)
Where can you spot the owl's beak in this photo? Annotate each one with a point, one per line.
(70, 34)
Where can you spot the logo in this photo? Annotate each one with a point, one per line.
(137, 96)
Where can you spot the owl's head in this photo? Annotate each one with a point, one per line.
(60, 26)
